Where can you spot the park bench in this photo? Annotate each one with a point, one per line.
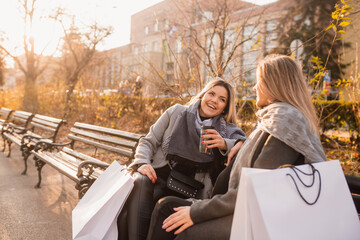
(74, 160)
(17, 124)
(40, 128)
(5, 114)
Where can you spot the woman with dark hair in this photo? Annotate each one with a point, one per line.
(286, 133)
(172, 147)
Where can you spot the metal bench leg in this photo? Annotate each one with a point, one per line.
(25, 162)
(9, 143)
(26, 152)
(39, 165)
(4, 145)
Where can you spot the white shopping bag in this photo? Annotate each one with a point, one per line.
(269, 206)
(94, 217)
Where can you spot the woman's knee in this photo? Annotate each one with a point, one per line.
(167, 204)
(140, 179)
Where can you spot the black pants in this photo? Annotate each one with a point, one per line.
(164, 207)
(134, 219)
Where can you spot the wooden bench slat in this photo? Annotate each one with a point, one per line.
(113, 132)
(64, 159)
(70, 161)
(44, 123)
(108, 139)
(3, 109)
(22, 113)
(101, 145)
(80, 155)
(43, 127)
(69, 172)
(48, 119)
(5, 113)
(22, 120)
(71, 154)
(13, 137)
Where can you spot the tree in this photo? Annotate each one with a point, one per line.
(210, 35)
(2, 67)
(31, 64)
(78, 48)
(307, 20)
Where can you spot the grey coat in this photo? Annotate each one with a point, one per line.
(282, 136)
(152, 146)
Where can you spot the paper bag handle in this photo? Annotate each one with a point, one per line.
(314, 170)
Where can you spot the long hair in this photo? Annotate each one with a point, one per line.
(284, 81)
(230, 109)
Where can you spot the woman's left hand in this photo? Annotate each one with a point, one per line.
(180, 219)
(213, 139)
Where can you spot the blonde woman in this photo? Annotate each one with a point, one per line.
(286, 133)
(172, 145)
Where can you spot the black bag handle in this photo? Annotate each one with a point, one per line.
(314, 171)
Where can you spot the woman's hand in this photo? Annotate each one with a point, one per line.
(215, 141)
(148, 171)
(234, 150)
(180, 219)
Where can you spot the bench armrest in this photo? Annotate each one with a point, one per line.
(89, 166)
(48, 145)
(17, 129)
(29, 137)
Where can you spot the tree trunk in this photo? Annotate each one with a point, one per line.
(69, 93)
(30, 100)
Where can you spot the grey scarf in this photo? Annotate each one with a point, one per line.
(185, 138)
(287, 124)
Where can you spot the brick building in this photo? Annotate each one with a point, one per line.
(173, 46)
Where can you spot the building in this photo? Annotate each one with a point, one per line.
(176, 46)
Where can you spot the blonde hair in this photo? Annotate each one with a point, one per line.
(284, 81)
(230, 108)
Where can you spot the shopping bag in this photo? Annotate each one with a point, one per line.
(94, 217)
(275, 204)
(241, 225)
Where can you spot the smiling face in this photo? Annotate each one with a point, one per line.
(262, 98)
(213, 102)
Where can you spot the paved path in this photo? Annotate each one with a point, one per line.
(28, 213)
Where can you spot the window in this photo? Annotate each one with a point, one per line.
(169, 77)
(249, 53)
(156, 27)
(146, 48)
(146, 30)
(169, 66)
(166, 24)
(136, 51)
(178, 45)
(271, 35)
(155, 47)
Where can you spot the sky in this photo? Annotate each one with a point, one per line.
(116, 13)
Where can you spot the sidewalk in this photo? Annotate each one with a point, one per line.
(28, 213)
